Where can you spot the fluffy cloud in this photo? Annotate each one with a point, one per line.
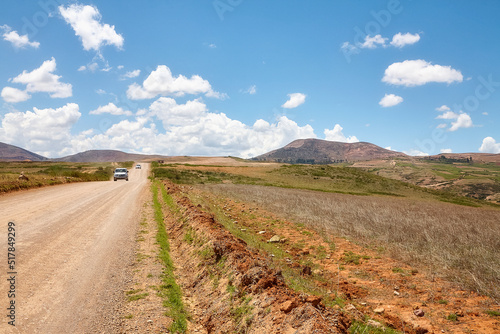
(45, 131)
(190, 129)
(161, 82)
(336, 135)
(443, 108)
(294, 100)
(416, 153)
(14, 95)
(170, 113)
(112, 109)
(490, 145)
(445, 150)
(400, 40)
(461, 120)
(390, 100)
(39, 80)
(419, 72)
(18, 41)
(85, 21)
(373, 42)
(132, 74)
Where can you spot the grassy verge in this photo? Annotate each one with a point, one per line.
(169, 290)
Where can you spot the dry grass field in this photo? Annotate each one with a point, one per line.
(459, 242)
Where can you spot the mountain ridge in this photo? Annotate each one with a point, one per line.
(320, 151)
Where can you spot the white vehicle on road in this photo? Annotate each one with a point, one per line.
(121, 173)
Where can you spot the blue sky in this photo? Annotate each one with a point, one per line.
(239, 77)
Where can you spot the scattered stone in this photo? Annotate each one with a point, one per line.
(288, 306)
(317, 271)
(374, 323)
(363, 304)
(262, 232)
(379, 310)
(419, 312)
(396, 293)
(350, 307)
(274, 239)
(243, 229)
(314, 300)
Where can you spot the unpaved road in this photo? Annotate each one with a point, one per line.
(74, 247)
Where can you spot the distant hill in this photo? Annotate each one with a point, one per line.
(107, 156)
(319, 151)
(14, 153)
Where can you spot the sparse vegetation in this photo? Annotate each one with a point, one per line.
(41, 174)
(462, 243)
(169, 291)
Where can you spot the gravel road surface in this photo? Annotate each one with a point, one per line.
(73, 250)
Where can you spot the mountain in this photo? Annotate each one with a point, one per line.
(107, 156)
(14, 153)
(323, 151)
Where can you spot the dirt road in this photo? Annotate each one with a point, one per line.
(74, 246)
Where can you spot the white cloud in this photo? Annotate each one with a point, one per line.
(294, 100)
(112, 109)
(416, 153)
(336, 135)
(399, 40)
(161, 82)
(485, 113)
(446, 150)
(212, 46)
(349, 48)
(441, 126)
(448, 115)
(251, 90)
(443, 108)
(173, 114)
(389, 148)
(45, 131)
(419, 72)
(373, 42)
(18, 41)
(40, 80)
(14, 95)
(390, 100)
(461, 120)
(132, 74)
(85, 21)
(490, 145)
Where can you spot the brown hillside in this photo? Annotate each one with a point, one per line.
(324, 151)
(14, 153)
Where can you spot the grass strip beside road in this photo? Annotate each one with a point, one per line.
(169, 290)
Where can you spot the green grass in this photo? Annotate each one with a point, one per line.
(493, 313)
(138, 296)
(359, 327)
(452, 317)
(350, 257)
(169, 290)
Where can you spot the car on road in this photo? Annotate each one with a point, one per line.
(137, 166)
(120, 173)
